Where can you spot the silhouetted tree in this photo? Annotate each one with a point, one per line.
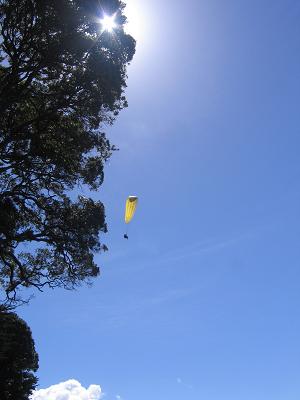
(61, 79)
(18, 359)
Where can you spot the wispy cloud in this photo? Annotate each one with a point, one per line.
(198, 248)
(119, 312)
(115, 315)
(180, 382)
(206, 246)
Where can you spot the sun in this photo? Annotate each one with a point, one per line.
(108, 23)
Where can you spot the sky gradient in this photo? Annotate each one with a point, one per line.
(202, 301)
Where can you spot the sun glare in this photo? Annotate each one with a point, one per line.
(135, 21)
(108, 23)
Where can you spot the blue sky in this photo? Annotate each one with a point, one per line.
(202, 301)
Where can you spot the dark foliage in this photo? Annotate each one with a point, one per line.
(18, 359)
(61, 80)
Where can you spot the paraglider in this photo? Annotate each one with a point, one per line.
(130, 208)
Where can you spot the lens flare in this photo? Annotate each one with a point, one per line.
(108, 23)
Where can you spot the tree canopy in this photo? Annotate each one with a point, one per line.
(62, 79)
(18, 358)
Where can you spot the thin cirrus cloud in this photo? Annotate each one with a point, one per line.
(69, 390)
(180, 382)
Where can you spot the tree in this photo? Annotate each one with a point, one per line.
(18, 359)
(62, 78)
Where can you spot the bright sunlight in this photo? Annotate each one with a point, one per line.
(108, 23)
(135, 22)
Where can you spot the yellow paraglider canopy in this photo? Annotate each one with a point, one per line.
(130, 208)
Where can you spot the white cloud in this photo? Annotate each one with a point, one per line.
(69, 390)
